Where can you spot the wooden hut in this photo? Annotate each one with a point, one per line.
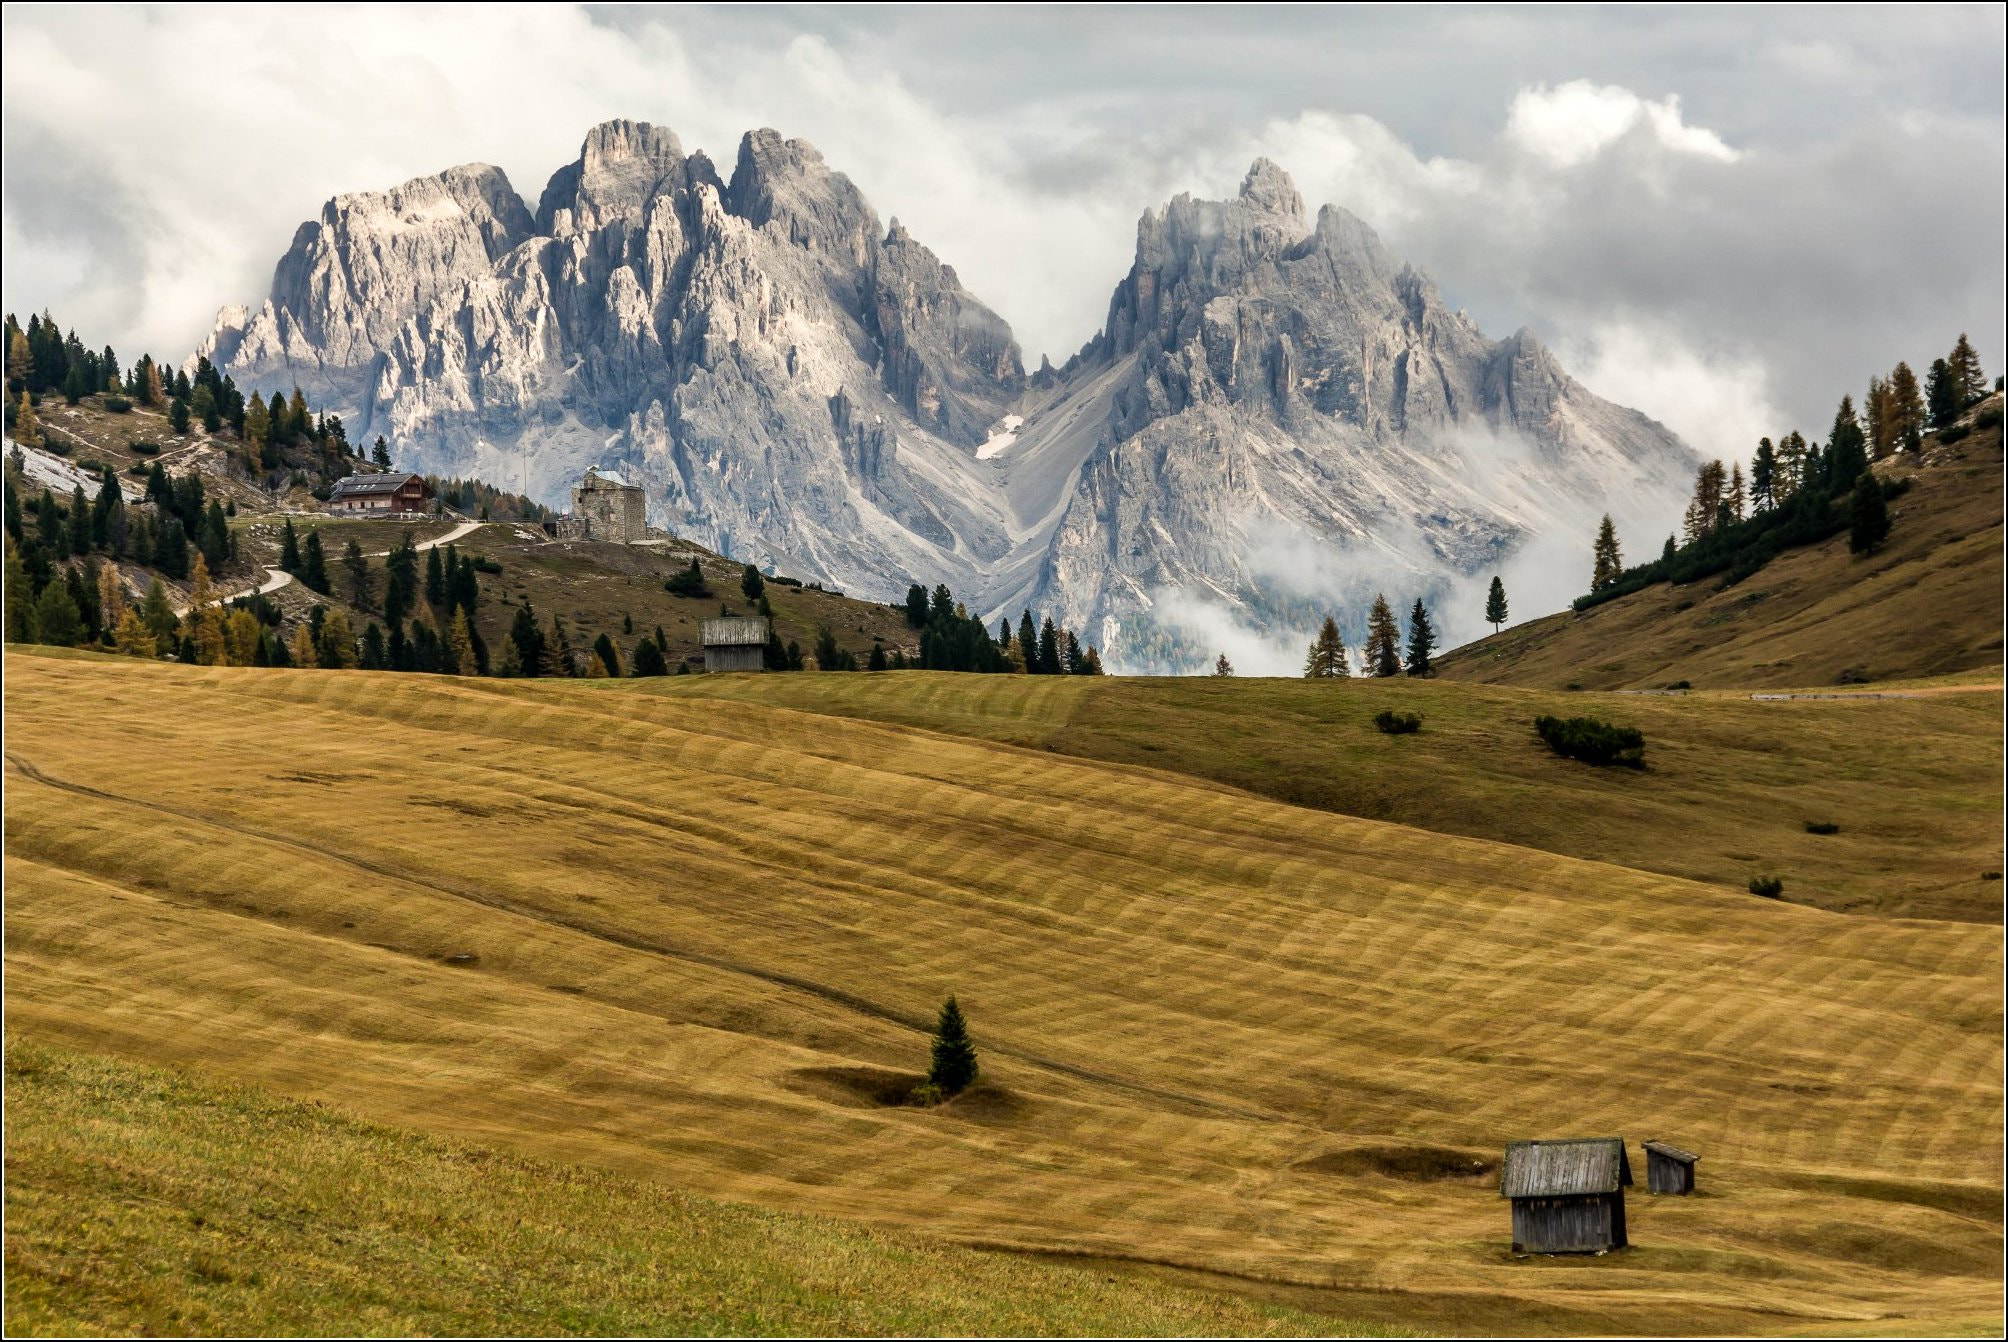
(1668, 1169)
(736, 644)
(1568, 1196)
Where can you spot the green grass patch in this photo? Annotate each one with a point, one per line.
(140, 1200)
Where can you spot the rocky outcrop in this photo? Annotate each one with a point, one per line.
(1278, 417)
(652, 315)
(1299, 423)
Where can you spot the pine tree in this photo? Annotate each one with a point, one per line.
(373, 649)
(75, 388)
(23, 625)
(953, 1066)
(1941, 395)
(1049, 648)
(1870, 515)
(557, 651)
(1789, 467)
(314, 564)
(648, 659)
(159, 614)
(751, 583)
(59, 623)
(1906, 409)
(1847, 448)
(206, 617)
(1091, 661)
(111, 597)
(1876, 420)
(362, 584)
(877, 661)
(380, 455)
(1967, 378)
(27, 429)
(1495, 604)
(603, 648)
(152, 391)
(131, 637)
(1382, 656)
(916, 605)
(79, 522)
(1327, 657)
(528, 641)
(1704, 510)
(1028, 643)
(289, 549)
(303, 654)
(257, 427)
(178, 418)
(460, 642)
(1421, 640)
(20, 361)
(1608, 560)
(1222, 667)
(1736, 499)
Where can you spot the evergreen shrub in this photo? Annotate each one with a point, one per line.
(1592, 741)
(1770, 887)
(1397, 724)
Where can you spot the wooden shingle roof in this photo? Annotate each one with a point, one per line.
(1568, 1168)
(1672, 1152)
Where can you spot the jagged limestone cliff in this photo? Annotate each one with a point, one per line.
(1277, 418)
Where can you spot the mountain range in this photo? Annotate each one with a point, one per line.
(1278, 418)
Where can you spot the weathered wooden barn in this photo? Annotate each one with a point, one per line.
(737, 643)
(1668, 1169)
(1568, 1196)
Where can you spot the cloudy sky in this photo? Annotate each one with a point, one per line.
(1723, 217)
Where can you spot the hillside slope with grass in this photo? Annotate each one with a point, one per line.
(1928, 602)
(142, 1201)
(595, 588)
(1729, 788)
(701, 942)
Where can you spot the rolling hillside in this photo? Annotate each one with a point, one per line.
(1927, 603)
(695, 941)
(1729, 787)
(176, 1184)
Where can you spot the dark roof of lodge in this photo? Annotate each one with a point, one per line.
(1574, 1167)
(1672, 1152)
(372, 484)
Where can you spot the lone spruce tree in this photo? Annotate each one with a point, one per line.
(1421, 640)
(954, 1064)
(1607, 560)
(1327, 658)
(1495, 604)
(1383, 651)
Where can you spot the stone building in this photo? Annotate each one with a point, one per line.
(605, 507)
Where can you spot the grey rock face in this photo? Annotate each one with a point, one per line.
(1298, 422)
(1278, 417)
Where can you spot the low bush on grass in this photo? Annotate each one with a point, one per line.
(687, 582)
(1768, 886)
(1952, 433)
(1592, 741)
(1397, 724)
(143, 447)
(118, 405)
(1822, 827)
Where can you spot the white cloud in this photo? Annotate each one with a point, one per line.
(1572, 123)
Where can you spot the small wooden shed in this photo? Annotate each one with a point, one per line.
(1668, 1169)
(736, 643)
(1568, 1196)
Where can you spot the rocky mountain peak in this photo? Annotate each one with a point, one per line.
(1268, 188)
(788, 181)
(621, 168)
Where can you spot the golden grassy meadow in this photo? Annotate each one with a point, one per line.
(677, 935)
